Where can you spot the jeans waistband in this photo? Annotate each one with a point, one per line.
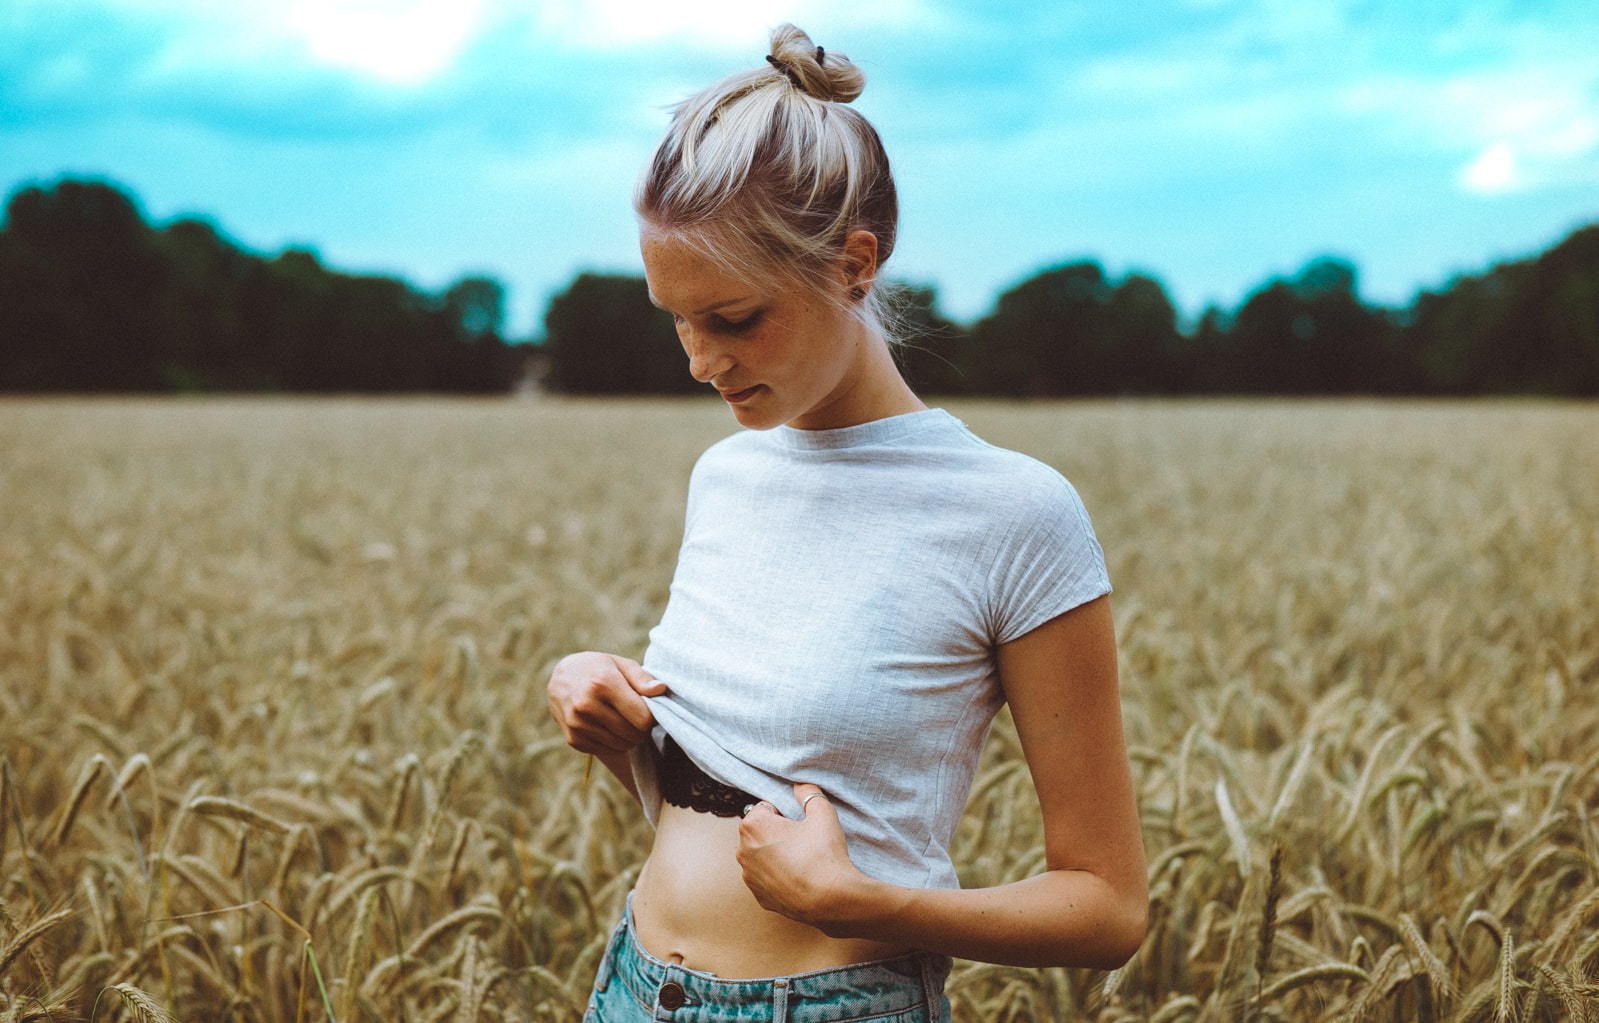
(670, 992)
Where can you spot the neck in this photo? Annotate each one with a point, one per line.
(876, 390)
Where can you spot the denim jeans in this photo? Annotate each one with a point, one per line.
(634, 986)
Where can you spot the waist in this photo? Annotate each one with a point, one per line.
(896, 987)
(691, 908)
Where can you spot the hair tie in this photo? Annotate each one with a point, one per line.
(782, 66)
(820, 53)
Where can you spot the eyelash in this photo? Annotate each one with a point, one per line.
(725, 326)
(741, 326)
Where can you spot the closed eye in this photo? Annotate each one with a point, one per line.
(735, 326)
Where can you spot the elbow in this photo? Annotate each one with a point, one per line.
(1120, 937)
(1127, 934)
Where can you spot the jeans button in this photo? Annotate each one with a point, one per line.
(672, 996)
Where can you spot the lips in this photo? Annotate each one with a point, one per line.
(734, 397)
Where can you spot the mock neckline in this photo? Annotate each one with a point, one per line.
(878, 431)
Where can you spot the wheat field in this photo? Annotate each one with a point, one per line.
(273, 740)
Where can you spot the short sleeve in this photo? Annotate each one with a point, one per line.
(1047, 561)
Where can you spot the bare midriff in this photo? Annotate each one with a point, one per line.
(691, 906)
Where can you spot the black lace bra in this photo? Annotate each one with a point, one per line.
(684, 784)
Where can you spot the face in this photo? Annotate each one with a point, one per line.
(775, 356)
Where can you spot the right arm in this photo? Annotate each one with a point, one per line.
(598, 700)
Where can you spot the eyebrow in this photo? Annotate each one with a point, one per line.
(713, 307)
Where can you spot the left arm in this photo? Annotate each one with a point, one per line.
(1088, 908)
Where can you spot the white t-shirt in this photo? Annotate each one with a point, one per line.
(834, 614)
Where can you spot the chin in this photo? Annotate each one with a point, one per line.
(755, 421)
(756, 418)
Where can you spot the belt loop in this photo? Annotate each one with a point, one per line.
(932, 987)
(780, 1000)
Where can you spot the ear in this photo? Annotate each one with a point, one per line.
(859, 263)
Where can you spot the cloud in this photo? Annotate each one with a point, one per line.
(143, 68)
(615, 25)
(1492, 171)
(1022, 129)
(398, 42)
(84, 65)
(403, 43)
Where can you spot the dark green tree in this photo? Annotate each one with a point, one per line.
(212, 345)
(1144, 346)
(1200, 366)
(1311, 335)
(81, 286)
(94, 299)
(476, 306)
(475, 357)
(1530, 326)
(1071, 331)
(602, 336)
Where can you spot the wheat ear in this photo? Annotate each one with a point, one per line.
(145, 1008)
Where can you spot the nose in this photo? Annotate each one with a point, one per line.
(706, 359)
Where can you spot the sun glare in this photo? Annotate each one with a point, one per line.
(1492, 171)
(402, 42)
(619, 23)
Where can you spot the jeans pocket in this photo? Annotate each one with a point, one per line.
(937, 1012)
(915, 1014)
(616, 1004)
(613, 949)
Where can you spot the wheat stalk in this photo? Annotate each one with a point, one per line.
(40, 966)
(1268, 915)
(231, 809)
(8, 801)
(1233, 826)
(145, 1008)
(473, 988)
(1396, 688)
(25, 937)
(1575, 1004)
(1505, 1003)
(1176, 1008)
(359, 951)
(1425, 957)
(80, 794)
(410, 765)
(1376, 987)
(1571, 921)
(136, 765)
(463, 917)
(467, 745)
(1312, 975)
(1290, 789)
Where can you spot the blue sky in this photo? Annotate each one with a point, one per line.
(1212, 143)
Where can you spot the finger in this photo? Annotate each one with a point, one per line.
(758, 811)
(595, 740)
(642, 681)
(598, 721)
(622, 696)
(813, 800)
(596, 705)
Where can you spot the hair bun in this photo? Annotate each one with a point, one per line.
(823, 74)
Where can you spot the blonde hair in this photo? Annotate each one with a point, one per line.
(767, 172)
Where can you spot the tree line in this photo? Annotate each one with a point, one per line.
(93, 298)
(1526, 327)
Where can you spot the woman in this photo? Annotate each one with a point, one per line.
(862, 584)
